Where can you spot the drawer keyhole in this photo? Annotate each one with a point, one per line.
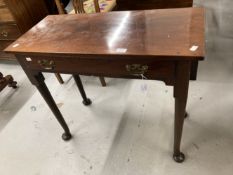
(47, 64)
(136, 69)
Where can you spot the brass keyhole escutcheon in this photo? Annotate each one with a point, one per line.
(46, 64)
(136, 69)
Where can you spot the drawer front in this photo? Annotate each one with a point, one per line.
(132, 68)
(9, 32)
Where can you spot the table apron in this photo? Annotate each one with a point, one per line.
(117, 68)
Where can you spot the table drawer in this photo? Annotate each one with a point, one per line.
(9, 32)
(118, 67)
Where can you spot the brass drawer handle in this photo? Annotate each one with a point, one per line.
(47, 64)
(136, 69)
(4, 34)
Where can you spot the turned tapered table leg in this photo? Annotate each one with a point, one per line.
(41, 86)
(86, 101)
(180, 94)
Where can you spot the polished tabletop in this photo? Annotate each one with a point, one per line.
(157, 33)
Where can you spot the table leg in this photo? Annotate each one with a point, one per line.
(180, 94)
(59, 78)
(102, 81)
(193, 71)
(41, 86)
(86, 101)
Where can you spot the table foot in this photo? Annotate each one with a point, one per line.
(66, 136)
(87, 102)
(179, 158)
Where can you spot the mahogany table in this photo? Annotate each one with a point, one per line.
(156, 44)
